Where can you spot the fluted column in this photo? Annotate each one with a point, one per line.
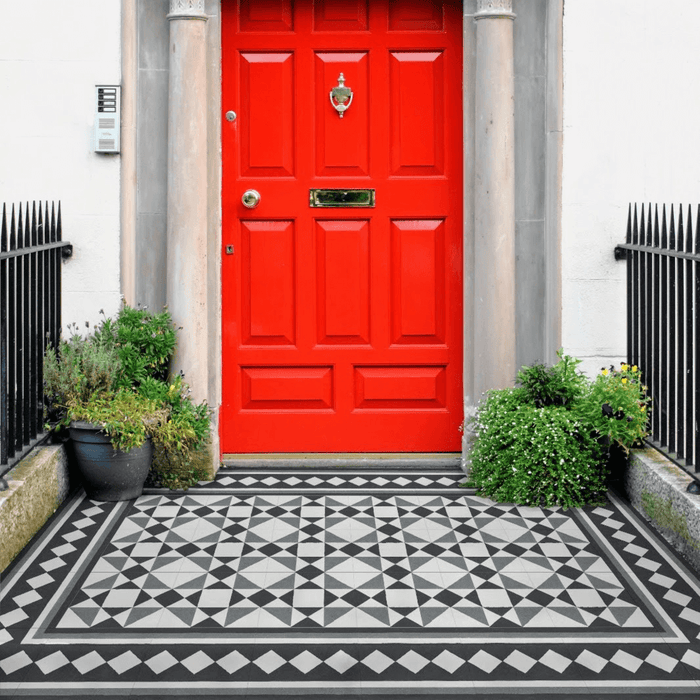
(187, 191)
(494, 198)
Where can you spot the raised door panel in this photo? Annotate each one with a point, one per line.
(287, 388)
(267, 115)
(418, 282)
(268, 283)
(340, 15)
(410, 15)
(342, 253)
(267, 15)
(400, 387)
(342, 143)
(417, 113)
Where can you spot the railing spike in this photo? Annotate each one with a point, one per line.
(672, 231)
(628, 237)
(3, 233)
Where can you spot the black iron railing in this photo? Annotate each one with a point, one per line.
(663, 332)
(30, 317)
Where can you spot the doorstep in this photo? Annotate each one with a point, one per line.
(345, 460)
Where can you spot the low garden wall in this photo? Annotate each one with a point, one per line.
(657, 489)
(38, 486)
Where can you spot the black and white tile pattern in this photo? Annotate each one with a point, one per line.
(325, 583)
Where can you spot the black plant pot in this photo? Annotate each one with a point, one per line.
(109, 474)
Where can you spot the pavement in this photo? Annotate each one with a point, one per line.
(344, 583)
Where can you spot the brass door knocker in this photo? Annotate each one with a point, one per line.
(340, 95)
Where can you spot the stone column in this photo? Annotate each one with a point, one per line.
(186, 290)
(494, 198)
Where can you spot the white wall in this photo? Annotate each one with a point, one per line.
(631, 106)
(52, 54)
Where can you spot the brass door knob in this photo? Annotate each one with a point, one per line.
(251, 199)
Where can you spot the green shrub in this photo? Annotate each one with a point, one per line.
(559, 385)
(533, 456)
(547, 441)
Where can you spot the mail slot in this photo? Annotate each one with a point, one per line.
(341, 198)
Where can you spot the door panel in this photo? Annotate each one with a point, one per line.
(342, 276)
(342, 327)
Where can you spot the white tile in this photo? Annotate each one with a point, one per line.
(52, 662)
(676, 597)
(122, 598)
(448, 661)
(5, 637)
(197, 662)
(521, 662)
(377, 661)
(305, 662)
(269, 662)
(63, 549)
(15, 662)
(233, 662)
(690, 615)
(89, 662)
(26, 598)
(555, 661)
(413, 661)
(494, 598)
(161, 662)
(627, 661)
(662, 580)
(53, 564)
(484, 661)
(591, 661)
(12, 618)
(39, 581)
(585, 598)
(124, 662)
(341, 662)
(692, 658)
(663, 661)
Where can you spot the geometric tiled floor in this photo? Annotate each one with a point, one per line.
(346, 583)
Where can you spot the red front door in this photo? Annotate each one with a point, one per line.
(342, 326)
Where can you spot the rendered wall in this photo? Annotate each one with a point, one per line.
(52, 54)
(630, 134)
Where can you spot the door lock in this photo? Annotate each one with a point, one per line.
(251, 199)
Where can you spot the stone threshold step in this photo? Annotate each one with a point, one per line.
(346, 460)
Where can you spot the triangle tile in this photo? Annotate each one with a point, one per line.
(563, 615)
(334, 616)
(372, 617)
(86, 615)
(139, 617)
(429, 581)
(470, 616)
(376, 583)
(170, 619)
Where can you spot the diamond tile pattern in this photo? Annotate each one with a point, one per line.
(346, 580)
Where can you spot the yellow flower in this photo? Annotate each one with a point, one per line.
(623, 367)
(624, 380)
(644, 408)
(635, 368)
(605, 372)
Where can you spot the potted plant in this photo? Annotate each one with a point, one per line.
(109, 388)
